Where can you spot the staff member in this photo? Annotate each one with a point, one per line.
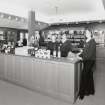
(41, 39)
(89, 57)
(52, 45)
(24, 42)
(66, 46)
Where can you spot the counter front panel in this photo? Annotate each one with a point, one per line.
(56, 78)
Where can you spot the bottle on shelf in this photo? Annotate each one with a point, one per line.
(59, 52)
(54, 53)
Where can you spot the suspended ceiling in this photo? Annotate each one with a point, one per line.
(52, 11)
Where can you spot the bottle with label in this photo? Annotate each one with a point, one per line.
(59, 52)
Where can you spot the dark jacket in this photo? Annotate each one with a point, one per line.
(41, 41)
(24, 42)
(89, 57)
(65, 48)
(52, 46)
(89, 51)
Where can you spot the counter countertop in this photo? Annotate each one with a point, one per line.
(62, 59)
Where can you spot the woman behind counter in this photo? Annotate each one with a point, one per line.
(66, 46)
(89, 57)
(52, 45)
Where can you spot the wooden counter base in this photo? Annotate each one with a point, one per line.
(53, 78)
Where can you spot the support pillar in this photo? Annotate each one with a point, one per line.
(31, 24)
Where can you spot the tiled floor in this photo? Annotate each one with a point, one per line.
(14, 95)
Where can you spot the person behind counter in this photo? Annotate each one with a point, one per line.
(88, 54)
(41, 39)
(52, 45)
(24, 42)
(34, 40)
(66, 46)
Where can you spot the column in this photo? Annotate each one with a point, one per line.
(31, 24)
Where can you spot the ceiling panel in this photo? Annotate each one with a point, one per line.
(49, 9)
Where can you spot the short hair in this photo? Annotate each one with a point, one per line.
(91, 32)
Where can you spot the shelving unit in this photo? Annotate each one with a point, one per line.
(10, 35)
(75, 36)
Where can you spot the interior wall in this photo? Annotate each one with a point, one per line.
(99, 26)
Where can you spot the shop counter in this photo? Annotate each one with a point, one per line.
(58, 78)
